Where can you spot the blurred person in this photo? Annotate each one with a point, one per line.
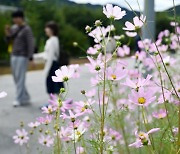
(21, 47)
(51, 56)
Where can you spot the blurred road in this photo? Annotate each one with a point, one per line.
(10, 117)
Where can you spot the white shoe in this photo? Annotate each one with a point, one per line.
(16, 104)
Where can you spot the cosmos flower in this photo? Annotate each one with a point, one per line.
(115, 74)
(142, 138)
(96, 65)
(48, 109)
(142, 97)
(160, 114)
(137, 23)
(76, 69)
(71, 116)
(78, 132)
(140, 82)
(34, 124)
(123, 51)
(113, 12)
(46, 140)
(63, 74)
(98, 34)
(45, 120)
(131, 34)
(65, 133)
(21, 137)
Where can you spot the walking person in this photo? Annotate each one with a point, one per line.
(21, 38)
(51, 56)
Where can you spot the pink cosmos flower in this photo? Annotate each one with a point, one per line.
(142, 97)
(48, 109)
(113, 12)
(123, 51)
(71, 116)
(110, 28)
(21, 137)
(45, 120)
(116, 74)
(142, 138)
(98, 34)
(144, 44)
(140, 82)
(91, 93)
(66, 105)
(138, 23)
(63, 74)
(80, 150)
(76, 69)
(65, 133)
(113, 137)
(131, 34)
(84, 106)
(95, 65)
(78, 132)
(46, 140)
(167, 95)
(92, 51)
(3, 94)
(160, 114)
(34, 124)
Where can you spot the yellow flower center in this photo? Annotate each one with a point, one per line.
(141, 100)
(78, 133)
(113, 76)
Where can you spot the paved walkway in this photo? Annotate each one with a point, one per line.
(10, 117)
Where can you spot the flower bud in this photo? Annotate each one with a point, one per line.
(118, 44)
(62, 90)
(88, 29)
(83, 92)
(75, 44)
(98, 23)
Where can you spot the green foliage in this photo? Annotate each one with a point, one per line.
(4, 19)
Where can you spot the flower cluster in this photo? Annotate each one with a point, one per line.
(128, 94)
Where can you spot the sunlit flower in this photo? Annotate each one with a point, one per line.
(142, 138)
(113, 12)
(63, 74)
(46, 140)
(21, 137)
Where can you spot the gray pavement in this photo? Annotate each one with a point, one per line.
(10, 117)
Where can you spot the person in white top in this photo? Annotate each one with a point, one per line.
(51, 56)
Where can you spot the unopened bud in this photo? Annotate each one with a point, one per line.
(88, 29)
(98, 23)
(75, 44)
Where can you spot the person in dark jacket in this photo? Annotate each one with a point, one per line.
(21, 37)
